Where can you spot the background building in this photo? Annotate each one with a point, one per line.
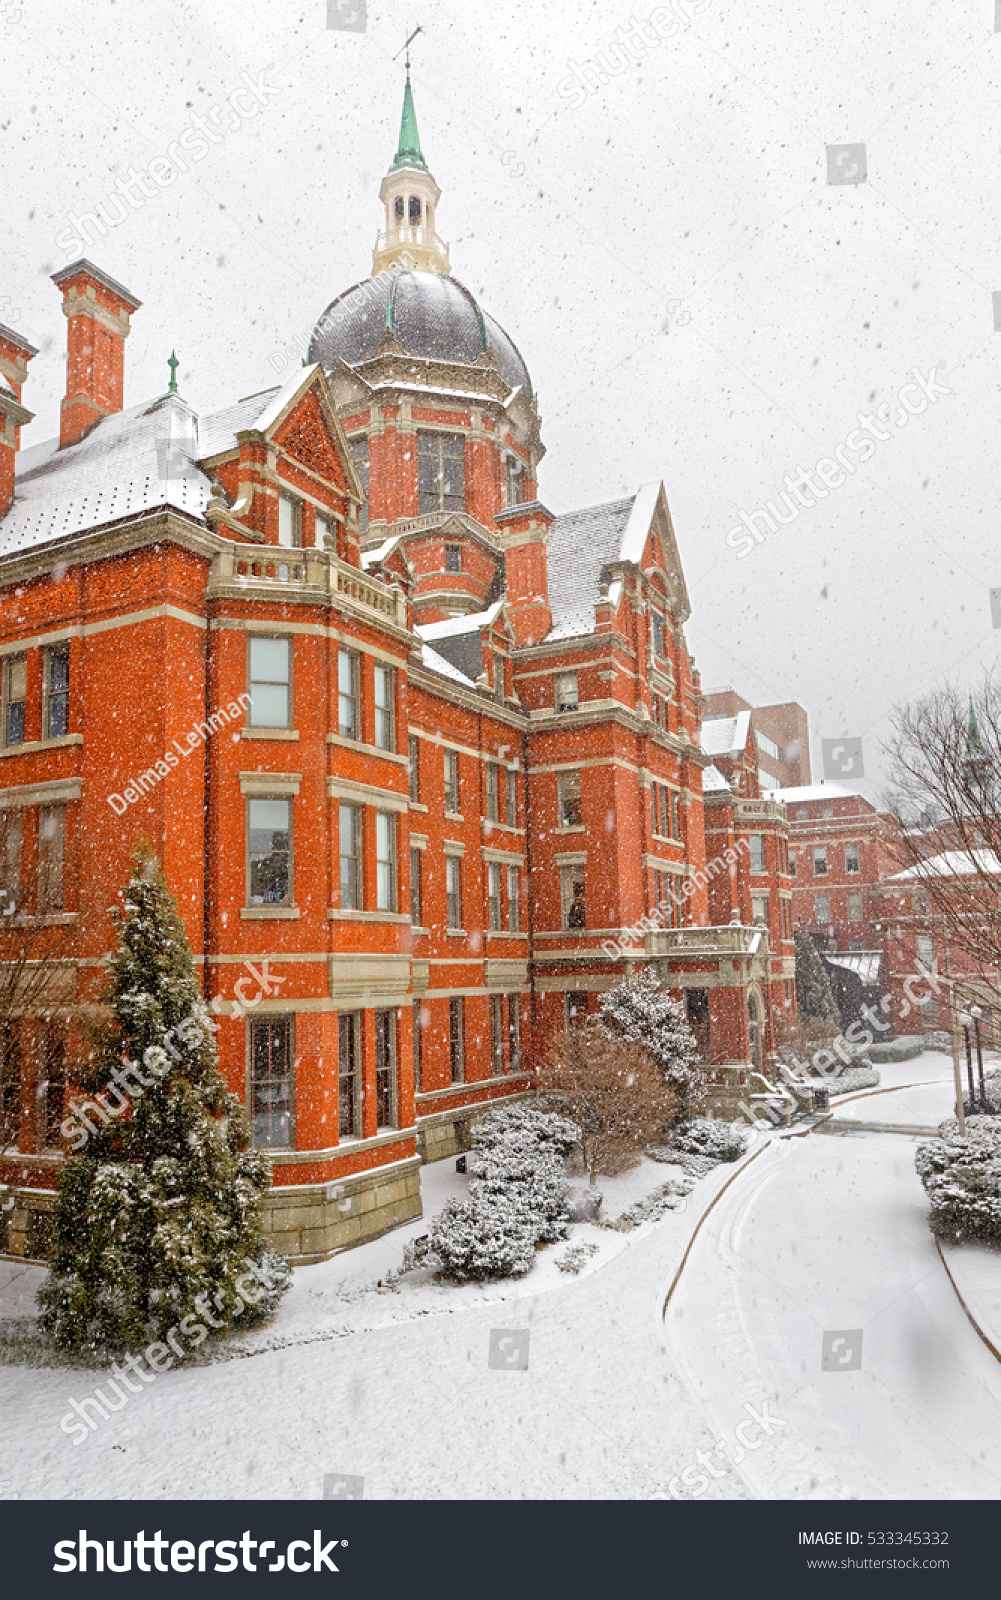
(782, 733)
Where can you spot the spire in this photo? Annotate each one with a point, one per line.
(409, 152)
(410, 196)
(173, 364)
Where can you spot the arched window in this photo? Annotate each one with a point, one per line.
(399, 206)
(415, 209)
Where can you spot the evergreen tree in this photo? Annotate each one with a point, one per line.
(641, 1011)
(814, 997)
(163, 1202)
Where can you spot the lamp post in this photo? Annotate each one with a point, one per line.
(976, 1012)
(965, 1022)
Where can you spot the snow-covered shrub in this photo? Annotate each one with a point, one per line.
(576, 1258)
(852, 1079)
(641, 1012)
(483, 1237)
(720, 1141)
(962, 1178)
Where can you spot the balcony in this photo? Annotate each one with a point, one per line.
(261, 572)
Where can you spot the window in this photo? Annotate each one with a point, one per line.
(803, 814)
(359, 450)
(15, 693)
(496, 1035)
(349, 1121)
(511, 798)
(352, 898)
(456, 1040)
(51, 858)
(513, 900)
(856, 944)
(514, 478)
(50, 1089)
(768, 746)
(269, 852)
(665, 812)
(566, 691)
(513, 1033)
(675, 815)
(576, 1009)
(10, 862)
(572, 892)
(56, 718)
(852, 858)
(756, 841)
(498, 677)
(269, 669)
(820, 861)
(657, 633)
(493, 794)
(385, 861)
(271, 1082)
(925, 950)
(415, 888)
(495, 920)
(452, 782)
(827, 811)
(385, 709)
(441, 474)
(453, 558)
(10, 1080)
(792, 863)
(854, 907)
(453, 891)
(348, 697)
(414, 209)
(571, 806)
(289, 522)
(759, 908)
(385, 1069)
(922, 905)
(822, 908)
(414, 754)
(418, 1047)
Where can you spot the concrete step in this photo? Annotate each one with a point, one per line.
(911, 1130)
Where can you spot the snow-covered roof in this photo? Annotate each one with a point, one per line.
(450, 627)
(436, 663)
(865, 962)
(713, 781)
(581, 544)
(724, 736)
(815, 791)
(950, 864)
(218, 432)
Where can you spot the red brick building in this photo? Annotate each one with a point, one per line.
(425, 749)
(782, 736)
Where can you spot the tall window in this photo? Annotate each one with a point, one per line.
(441, 472)
(456, 1039)
(759, 908)
(453, 888)
(493, 792)
(10, 1079)
(756, 841)
(418, 1048)
(498, 677)
(495, 918)
(269, 670)
(496, 1035)
(51, 858)
(854, 906)
(657, 633)
(385, 1069)
(513, 1033)
(289, 522)
(513, 900)
(10, 862)
(14, 695)
(359, 450)
(453, 558)
(665, 811)
(822, 908)
(820, 861)
(349, 1121)
(572, 891)
(414, 754)
(510, 798)
(514, 481)
(385, 861)
(271, 1082)
(452, 781)
(675, 815)
(415, 888)
(385, 710)
(50, 1088)
(348, 697)
(56, 719)
(269, 851)
(792, 863)
(566, 691)
(852, 863)
(351, 858)
(922, 903)
(926, 950)
(654, 809)
(571, 805)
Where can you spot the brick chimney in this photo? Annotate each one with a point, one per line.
(524, 535)
(15, 353)
(98, 311)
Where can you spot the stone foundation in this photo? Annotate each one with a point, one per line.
(446, 1133)
(26, 1229)
(310, 1223)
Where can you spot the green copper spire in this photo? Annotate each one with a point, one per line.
(173, 364)
(409, 152)
(974, 747)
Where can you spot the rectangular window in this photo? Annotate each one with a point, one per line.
(348, 697)
(10, 1082)
(289, 522)
(453, 558)
(269, 852)
(51, 858)
(441, 473)
(15, 693)
(513, 1033)
(820, 861)
(756, 841)
(657, 633)
(56, 718)
(493, 792)
(385, 1069)
(513, 900)
(496, 1035)
(414, 754)
(10, 862)
(495, 919)
(665, 812)
(418, 1048)
(349, 1074)
(453, 891)
(852, 863)
(452, 782)
(926, 950)
(576, 1009)
(510, 798)
(271, 1082)
(513, 481)
(359, 450)
(675, 816)
(352, 898)
(792, 863)
(566, 691)
(822, 908)
(456, 1040)
(385, 861)
(385, 708)
(571, 803)
(269, 671)
(415, 888)
(854, 907)
(759, 908)
(50, 1089)
(572, 893)
(654, 809)
(498, 677)
(922, 905)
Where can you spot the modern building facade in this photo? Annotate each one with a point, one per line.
(782, 736)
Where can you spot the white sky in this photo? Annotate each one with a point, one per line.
(697, 176)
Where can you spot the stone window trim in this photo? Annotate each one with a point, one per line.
(454, 847)
(418, 841)
(510, 858)
(59, 791)
(366, 794)
(573, 858)
(267, 785)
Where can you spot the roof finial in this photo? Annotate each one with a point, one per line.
(173, 364)
(406, 47)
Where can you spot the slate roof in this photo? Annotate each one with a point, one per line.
(437, 663)
(581, 543)
(713, 781)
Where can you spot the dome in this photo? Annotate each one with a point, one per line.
(430, 315)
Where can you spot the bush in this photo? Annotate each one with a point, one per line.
(854, 1078)
(719, 1141)
(962, 1178)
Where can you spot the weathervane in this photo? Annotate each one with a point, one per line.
(406, 47)
(173, 364)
